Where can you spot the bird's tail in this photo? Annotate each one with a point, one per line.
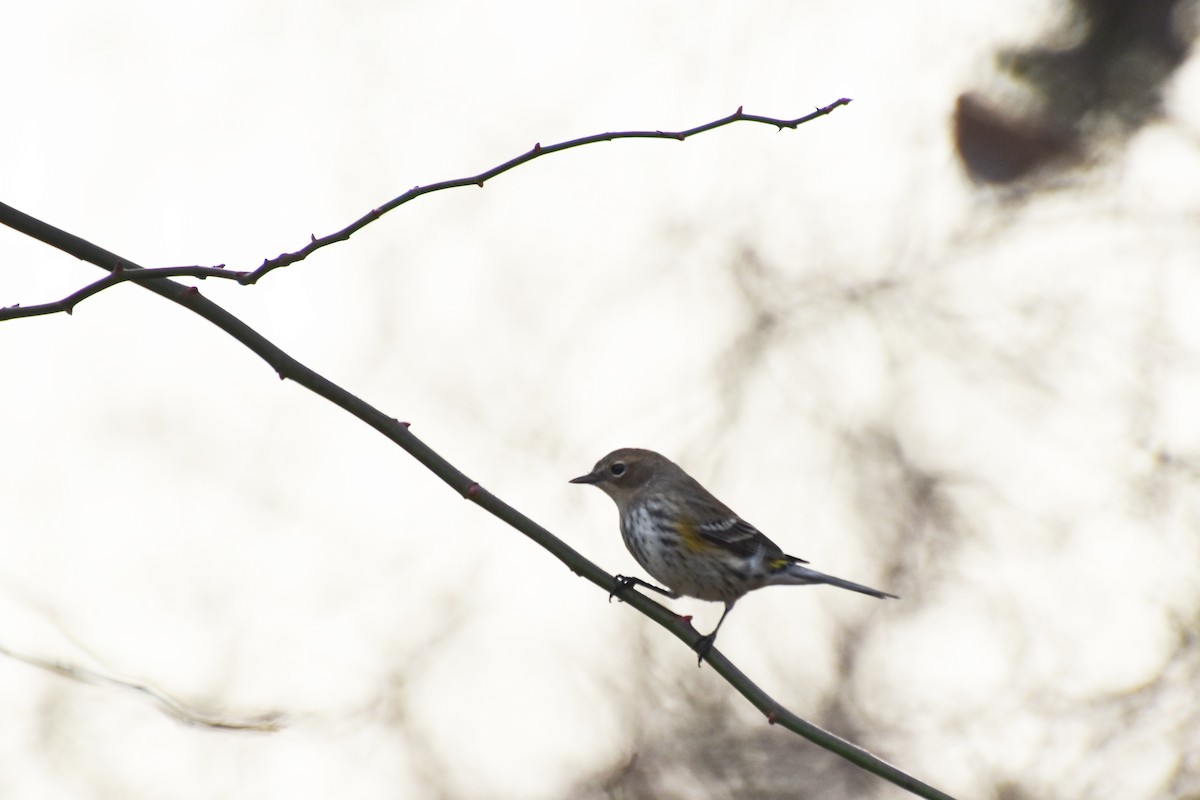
(792, 573)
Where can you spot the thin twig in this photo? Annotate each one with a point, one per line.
(123, 273)
(537, 151)
(120, 274)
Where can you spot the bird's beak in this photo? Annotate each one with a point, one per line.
(591, 477)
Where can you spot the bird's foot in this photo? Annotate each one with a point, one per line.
(702, 646)
(620, 584)
(623, 582)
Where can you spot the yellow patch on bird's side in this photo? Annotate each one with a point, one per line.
(691, 539)
(778, 563)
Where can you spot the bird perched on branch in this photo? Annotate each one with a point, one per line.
(689, 540)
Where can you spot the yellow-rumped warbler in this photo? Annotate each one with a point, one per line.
(691, 541)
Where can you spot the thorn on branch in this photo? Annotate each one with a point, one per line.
(537, 147)
(479, 184)
(771, 718)
(402, 424)
(738, 113)
(472, 491)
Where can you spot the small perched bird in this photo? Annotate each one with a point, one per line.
(691, 541)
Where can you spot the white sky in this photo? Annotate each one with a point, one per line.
(174, 514)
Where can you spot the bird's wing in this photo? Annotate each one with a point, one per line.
(719, 526)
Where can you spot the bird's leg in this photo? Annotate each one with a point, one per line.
(623, 582)
(705, 643)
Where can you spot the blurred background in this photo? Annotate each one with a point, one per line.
(944, 341)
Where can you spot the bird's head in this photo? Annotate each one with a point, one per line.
(622, 473)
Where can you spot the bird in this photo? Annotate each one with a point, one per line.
(687, 539)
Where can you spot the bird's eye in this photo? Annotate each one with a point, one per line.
(617, 469)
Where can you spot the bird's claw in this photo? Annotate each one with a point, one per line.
(702, 646)
(620, 584)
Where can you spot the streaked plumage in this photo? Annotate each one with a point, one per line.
(689, 540)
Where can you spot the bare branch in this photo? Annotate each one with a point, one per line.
(124, 272)
(537, 151)
(120, 274)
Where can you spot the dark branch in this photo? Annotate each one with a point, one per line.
(120, 274)
(398, 432)
(125, 272)
(537, 151)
